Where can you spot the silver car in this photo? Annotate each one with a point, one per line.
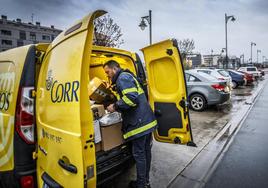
(205, 90)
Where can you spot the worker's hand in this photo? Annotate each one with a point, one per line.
(111, 108)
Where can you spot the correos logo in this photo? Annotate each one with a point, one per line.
(61, 92)
(7, 82)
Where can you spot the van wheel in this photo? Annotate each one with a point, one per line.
(198, 102)
(234, 85)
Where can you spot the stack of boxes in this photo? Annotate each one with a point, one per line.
(107, 126)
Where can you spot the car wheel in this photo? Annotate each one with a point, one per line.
(198, 102)
(234, 85)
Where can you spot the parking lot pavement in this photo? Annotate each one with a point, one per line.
(170, 159)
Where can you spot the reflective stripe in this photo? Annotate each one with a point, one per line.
(117, 96)
(129, 90)
(140, 129)
(128, 101)
(140, 90)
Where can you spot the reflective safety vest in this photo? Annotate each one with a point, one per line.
(138, 117)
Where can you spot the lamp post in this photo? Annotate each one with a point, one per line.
(258, 51)
(211, 60)
(143, 24)
(222, 59)
(251, 44)
(226, 21)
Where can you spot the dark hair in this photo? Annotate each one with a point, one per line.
(111, 64)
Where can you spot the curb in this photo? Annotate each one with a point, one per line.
(198, 171)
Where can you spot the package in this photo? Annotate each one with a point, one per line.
(97, 133)
(98, 91)
(110, 119)
(112, 136)
(98, 147)
(98, 110)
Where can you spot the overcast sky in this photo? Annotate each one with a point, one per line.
(201, 20)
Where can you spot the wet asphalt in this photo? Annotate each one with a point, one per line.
(245, 163)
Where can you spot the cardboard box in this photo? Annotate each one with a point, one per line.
(99, 109)
(98, 147)
(98, 90)
(112, 136)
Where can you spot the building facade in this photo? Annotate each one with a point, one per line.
(14, 33)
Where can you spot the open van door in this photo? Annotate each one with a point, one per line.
(66, 153)
(168, 93)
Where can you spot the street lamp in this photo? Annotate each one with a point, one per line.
(226, 21)
(258, 51)
(251, 44)
(143, 24)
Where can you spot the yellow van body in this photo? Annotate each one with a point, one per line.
(65, 149)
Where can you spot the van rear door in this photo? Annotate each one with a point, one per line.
(66, 153)
(168, 93)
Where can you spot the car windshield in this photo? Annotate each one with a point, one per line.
(223, 73)
(251, 69)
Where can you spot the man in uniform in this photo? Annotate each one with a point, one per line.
(138, 119)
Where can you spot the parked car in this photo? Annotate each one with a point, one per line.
(249, 77)
(219, 74)
(252, 70)
(205, 90)
(238, 78)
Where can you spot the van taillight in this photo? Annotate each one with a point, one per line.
(25, 115)
(218, 87)
(27, 182)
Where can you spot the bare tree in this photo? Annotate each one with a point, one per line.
(186, 47)
(107, 32)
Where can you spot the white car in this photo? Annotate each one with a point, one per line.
(219, 74)
(251, 70)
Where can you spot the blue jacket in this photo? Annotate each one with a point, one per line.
(138, 117)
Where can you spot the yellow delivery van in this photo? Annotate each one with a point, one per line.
(47, 122)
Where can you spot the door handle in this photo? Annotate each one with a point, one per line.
(66, 165)
(184, 104)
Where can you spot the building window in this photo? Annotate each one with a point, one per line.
(7, 42)
(32, 36)
(19, 43)
(52, 37)
(22, 35)
(46, 37)
(5, 32)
